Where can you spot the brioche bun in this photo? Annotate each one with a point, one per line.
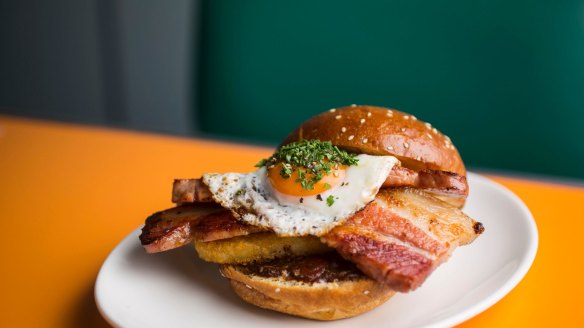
(322, 300)
(382, 131)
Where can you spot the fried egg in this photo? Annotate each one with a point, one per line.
(264, 198)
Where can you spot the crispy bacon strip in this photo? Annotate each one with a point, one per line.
(190, 191)
(222, 226)
(178, 226)
(399, 238)
(195, 191)
(402, 236)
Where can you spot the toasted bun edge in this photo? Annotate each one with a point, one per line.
(383, 131)
(319, 301)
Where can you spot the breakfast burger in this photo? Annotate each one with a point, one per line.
(356, 204)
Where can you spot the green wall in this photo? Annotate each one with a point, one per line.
(504, 79)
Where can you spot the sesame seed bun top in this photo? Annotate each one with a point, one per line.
(382, 131)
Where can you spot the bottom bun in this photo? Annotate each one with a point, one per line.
(321, 287)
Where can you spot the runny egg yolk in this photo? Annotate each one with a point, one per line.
(290, 186)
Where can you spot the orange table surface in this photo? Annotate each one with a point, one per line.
(70, 193)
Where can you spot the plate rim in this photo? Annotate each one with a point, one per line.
(518, 275)
(522, 269)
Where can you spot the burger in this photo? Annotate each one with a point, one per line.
(356, 204)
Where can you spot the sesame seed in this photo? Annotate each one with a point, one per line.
(419, 158)
(353, 105)
(434, 130)
(277, 290)
(406, 117)
(336, 174)
(448, 138)
(338, 117)
(248, 286)
(389, 113)
(389, 148)
(406, 145)
(364, 140)
(351, 137)
(403, 129)
(343, 129)
(332, 110)
(429, 135)
(368, 114)
(414, 118)
(366, 292)
(428, 125)
(362, 121)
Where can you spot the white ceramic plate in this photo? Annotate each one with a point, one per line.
(175, 289)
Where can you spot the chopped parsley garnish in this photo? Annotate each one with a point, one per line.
(311, 159)
(330, 200)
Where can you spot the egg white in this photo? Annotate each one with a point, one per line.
(253, 200)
